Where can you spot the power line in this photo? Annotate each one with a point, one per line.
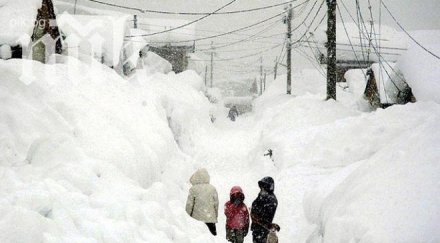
(408, 34)
(189, 13)
(349, 40)
(251, 55)
(249, 38)
(246, 56)
(189, 23)
(310, 25)
(230, 32)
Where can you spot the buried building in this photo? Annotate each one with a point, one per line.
(166, 39)
(357, 48)
(387, 86)
(29, 30)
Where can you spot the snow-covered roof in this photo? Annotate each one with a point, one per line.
(421, 69)
(17, 18)
(389, 81)
(94, 35)
(392, 43)
(134, 45)
(152, 25)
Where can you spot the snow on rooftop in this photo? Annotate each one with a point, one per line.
(389, 81)
(17, 18)
(421, 69)
(391, 42)
(94, 35)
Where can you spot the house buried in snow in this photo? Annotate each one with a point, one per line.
(387, 86)
(359, 49)
(172, 45)
(29, 29)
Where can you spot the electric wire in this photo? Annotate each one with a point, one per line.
(407, 33)
(189, 23)
(233, 31)
(190, 13)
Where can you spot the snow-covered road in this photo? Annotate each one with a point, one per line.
(231, 155)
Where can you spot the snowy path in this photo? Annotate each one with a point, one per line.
(229, 155)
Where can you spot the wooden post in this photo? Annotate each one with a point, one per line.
(264, 82)
(74, 7)
(331, 50)
(275, 70)
(206, 75)
(261, 75)
(212, 63)
(135, 21)
(289, 49)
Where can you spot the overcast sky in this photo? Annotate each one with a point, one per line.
(413, 15)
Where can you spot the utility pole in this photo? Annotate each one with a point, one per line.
(135, 21)
(261, 75)
(331, 50)
(74, 7)
(289, 49)
(264, 82)
(212, 63)
(275, 70)
(206, 75)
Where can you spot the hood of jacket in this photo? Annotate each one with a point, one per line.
(236, 190)
(201, 176)
(267, 183)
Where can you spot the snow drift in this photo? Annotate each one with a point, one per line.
(86, 156)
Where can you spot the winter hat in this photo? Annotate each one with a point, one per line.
(267, 183)
(236, 192)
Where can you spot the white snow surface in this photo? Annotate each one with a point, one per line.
(5, 52)
(421, 69)
(17, 18)
(366, 176)
(96, 36)
(89, 157)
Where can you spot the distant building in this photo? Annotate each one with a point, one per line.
(171, 45)
(29, 29)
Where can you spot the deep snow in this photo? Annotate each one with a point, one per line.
(86, 156)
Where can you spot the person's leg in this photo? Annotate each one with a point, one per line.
(229, 235)
(259, 236)
(212, 229)
(239, 236)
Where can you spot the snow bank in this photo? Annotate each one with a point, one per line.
(17, 18)
(356, 81)
(153, 63)
(100, 37)
(391, 197)
(5, 52)
(182, 96)
(86, 156)
(350, 170)
(422, 71)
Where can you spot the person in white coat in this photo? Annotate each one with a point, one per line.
(202, 203)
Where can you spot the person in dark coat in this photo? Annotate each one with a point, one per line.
(263, 210)
(233, 113)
